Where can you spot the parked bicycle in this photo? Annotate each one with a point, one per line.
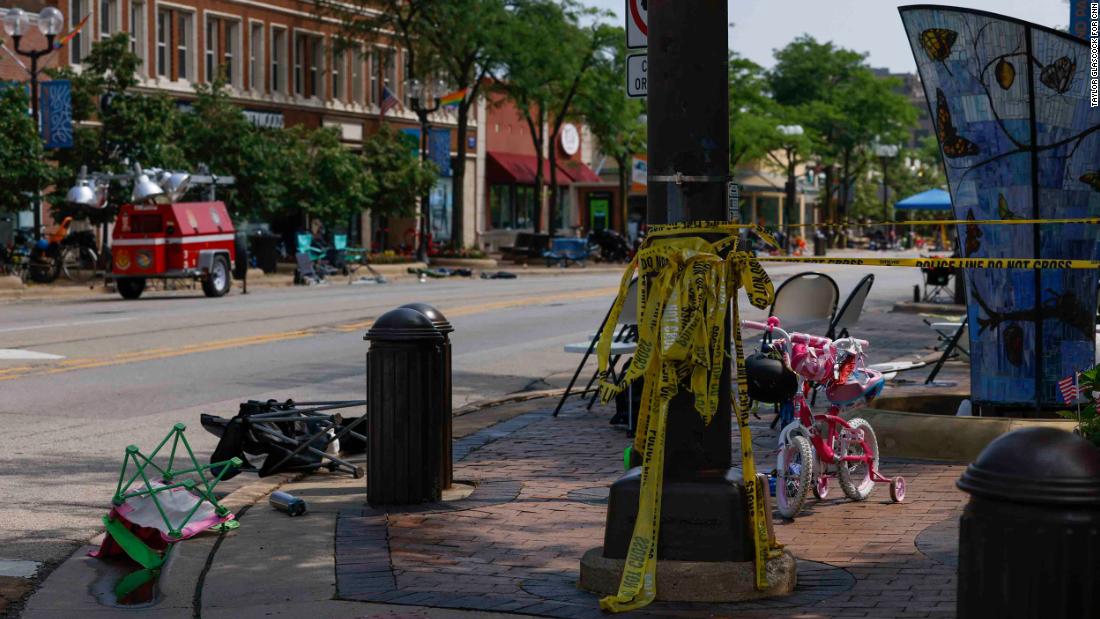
(816, 448)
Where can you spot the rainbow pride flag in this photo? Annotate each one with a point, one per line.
(68, 36)
(454, 98)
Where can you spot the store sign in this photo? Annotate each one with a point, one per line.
(265, 120)
(570, 139)
(639, 172)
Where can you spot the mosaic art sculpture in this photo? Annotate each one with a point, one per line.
(1020, 140)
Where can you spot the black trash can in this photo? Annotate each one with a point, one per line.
(820, 243)
(240, 263)
(264, 248)
(440, 322)
(1028, 538)
(404, 415)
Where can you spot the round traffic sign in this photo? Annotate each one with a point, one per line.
(639, 12)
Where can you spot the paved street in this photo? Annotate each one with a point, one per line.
(131, 369)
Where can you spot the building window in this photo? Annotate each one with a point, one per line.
(389, 72)
(106, 18)
(78, 9)
(357, 76)
(174, 32)
(222, 40)
(256, 58)
(278, 60)
(372, 69)
(500, 207)
(308, 65)
(339, 75)
(406, 75)
(137, 34)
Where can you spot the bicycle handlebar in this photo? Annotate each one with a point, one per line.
(815, 341)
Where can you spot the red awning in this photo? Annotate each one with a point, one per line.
(508, 168)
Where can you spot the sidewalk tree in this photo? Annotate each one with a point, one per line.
(844, 104)
(132, 126)
(751, 111)
(451, 39)
(397, 177)
(544, 85)
(23, 171)
(614, 119)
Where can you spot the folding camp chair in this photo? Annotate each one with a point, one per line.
(811, 296)
(937, 284)
(306, 274)
(949, 348)
(851, 310)
(805, 297)
(625, 342)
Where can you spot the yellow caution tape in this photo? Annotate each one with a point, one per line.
(936, 263)
(937, 222)
(685, 284)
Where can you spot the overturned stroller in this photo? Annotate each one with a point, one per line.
(290, 436)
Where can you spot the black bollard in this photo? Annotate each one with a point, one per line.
(446, 328)
(1028, 538)
(404, 416)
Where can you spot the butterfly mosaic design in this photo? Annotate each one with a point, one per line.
(954, 145)
(1003, 210)
(973, 234)
(1058, 74)
(1092, 179)
(937, 42)
(1005, 73)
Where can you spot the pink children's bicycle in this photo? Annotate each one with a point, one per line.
(816, 448)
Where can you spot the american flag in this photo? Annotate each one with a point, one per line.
(388, 100)
(1068, 386)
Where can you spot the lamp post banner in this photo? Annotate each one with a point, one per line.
(1010, 105)
(57, 113)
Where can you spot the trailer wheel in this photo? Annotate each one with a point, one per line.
(130, 287)
(218, 281)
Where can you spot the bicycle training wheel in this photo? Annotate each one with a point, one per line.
(794, 475)
(855, 477)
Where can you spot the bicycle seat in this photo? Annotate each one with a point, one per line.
(862, 384)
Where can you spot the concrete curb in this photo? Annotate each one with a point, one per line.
(508, 399)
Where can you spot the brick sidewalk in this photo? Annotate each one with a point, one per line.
(515, 544)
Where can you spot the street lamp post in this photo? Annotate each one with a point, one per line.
(16, 24)
(886, 152)
(790, 131)
(420, 92)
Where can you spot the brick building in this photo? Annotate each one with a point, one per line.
(508, 205)
(286, 65)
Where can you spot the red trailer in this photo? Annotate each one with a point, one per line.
(182, 240)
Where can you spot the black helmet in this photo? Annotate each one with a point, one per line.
(770, 380)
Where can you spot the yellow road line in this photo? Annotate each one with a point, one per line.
(154, 354)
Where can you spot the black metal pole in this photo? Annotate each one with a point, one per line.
(425, 199)
(688, 112)
(790, 201)
(36, 114)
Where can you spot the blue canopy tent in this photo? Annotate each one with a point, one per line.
(931, 200)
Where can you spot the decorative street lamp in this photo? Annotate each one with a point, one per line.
(419, 92)
(16, 24)
(791, 148)
(886, 152)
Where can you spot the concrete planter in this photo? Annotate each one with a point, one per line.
(943, 437)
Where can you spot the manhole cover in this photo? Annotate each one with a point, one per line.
(940, 542)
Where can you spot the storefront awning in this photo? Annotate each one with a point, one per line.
(509, 168)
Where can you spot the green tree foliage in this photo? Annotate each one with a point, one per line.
(613, 118)
(397, 177)
(544, 86)
(448, 39)
(752, 111)
(132, 127)
(843, 105)
(23, 171)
